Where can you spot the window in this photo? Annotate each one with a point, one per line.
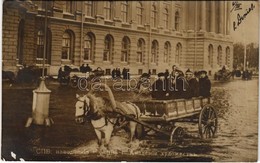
(124, 11)
(67, 45)
(40, 44)
(107, 10)
(20, 41)
(154, 51)
(139, 10)
(88, 47)
(125, 49)
(166, 18)
(166, 52)
(210, 56)
(154, 16)
(68, 6)
(109, 42)
(89, 8)
(140, 50)
(140, 71)
(219, 56)
(178, 53)
(177, 21)
(227, 56)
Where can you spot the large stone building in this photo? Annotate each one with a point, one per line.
(139, 35)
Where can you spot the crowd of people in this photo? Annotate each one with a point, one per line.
(116, 73)
(177, 85)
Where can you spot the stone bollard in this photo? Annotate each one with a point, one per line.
(40, 106)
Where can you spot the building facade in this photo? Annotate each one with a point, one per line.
(139, 35)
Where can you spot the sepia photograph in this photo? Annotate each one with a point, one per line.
(131, 81)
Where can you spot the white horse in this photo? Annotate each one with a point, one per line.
(96, 108)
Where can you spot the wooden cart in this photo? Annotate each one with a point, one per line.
(165, 113)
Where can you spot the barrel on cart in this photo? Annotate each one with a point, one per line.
(165, 113)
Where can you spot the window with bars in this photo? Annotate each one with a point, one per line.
(124, 11)
(227, 55)
(66, 46)
(219, 56)
(166, 18)
(139, 10)
(88, 47)
(154, 16)
(89, 8)
(166, 52)
(108, 48)
(177, 21)
(178, 53)
(140, 50)
(107, 10)
(210, 56)
(154, 51)
(40, 44)
(125, 50)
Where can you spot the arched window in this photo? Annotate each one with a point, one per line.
(67, 45)
(107, 10)
(125, 49)
(166, 52)
(227, 56)
(89, 8)
(178, 53)
(154, 16)
(140, 50)
(210, 55)
(166, 18)
(219, 56)
(40, 45)
(89, 44)
(139, 11)
(108, 50)
(124, 11)
(155, 50)
(20, 41)
(177, 21)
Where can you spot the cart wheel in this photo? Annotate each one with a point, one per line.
(140, 133)
(176, 134)
(208, 122)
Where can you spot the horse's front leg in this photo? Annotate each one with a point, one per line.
(132, 126)
(108, 133)
(98, 133)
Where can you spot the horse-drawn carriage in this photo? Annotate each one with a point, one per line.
(223, 75)
(157, 115)
(69, 76)
(161, 115)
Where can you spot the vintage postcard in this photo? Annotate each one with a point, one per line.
(130, 81)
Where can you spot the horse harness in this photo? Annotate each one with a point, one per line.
(95, 116)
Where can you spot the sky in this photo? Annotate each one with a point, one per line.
(248, 30)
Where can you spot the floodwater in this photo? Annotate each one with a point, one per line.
(236, 103)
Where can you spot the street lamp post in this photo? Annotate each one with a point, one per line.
(41, 95)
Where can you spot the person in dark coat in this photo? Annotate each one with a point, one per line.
(113, 73)
(166, 73)
(204, 84)
(124, 73)
(118, 73)
(193, 84)
(159, 88)
(180, 85)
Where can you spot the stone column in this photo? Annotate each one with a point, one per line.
(212, 16)
(228, 18)
(221, 17)
(203, 15)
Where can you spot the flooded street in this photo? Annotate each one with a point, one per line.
(236, 103)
